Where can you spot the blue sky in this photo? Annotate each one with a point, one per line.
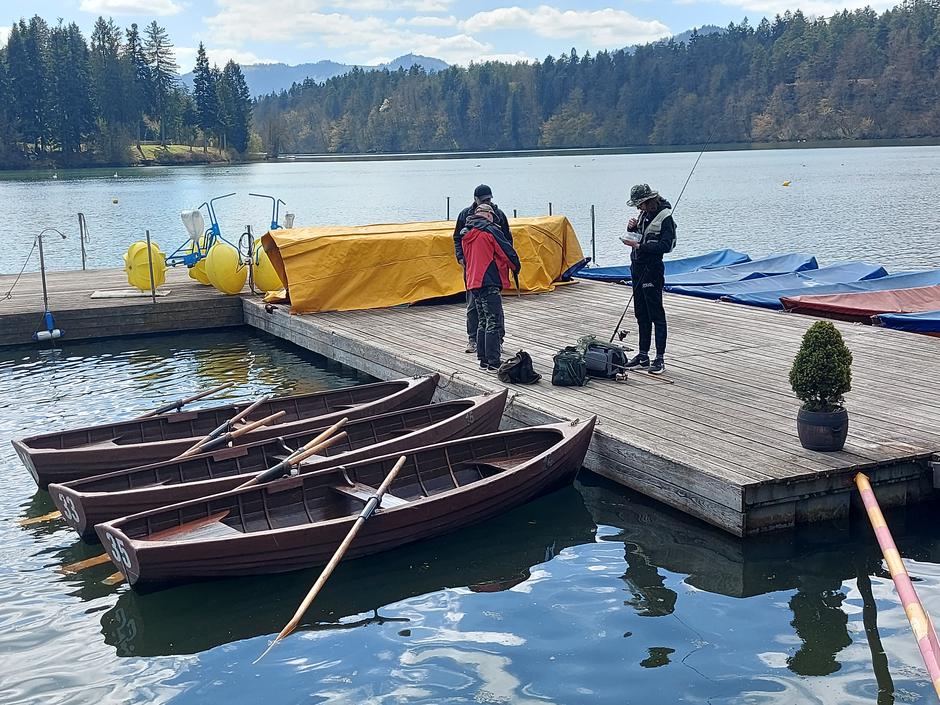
(372, 31)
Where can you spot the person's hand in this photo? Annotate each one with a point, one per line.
(631, 243)
(631, 225)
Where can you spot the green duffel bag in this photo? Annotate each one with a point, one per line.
(570, 369)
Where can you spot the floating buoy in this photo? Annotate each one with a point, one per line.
(114, 200)
(137, 265)
(224, 268)
(786, 183)
(265, 276)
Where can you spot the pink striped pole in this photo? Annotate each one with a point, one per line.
(916, 614)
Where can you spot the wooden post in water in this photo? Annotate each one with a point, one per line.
(593, 246)
(514, 213)
(916, 614)
(549, 207)
(153, 291)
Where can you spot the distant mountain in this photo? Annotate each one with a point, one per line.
(273, 78)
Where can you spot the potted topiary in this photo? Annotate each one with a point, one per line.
(820, 377)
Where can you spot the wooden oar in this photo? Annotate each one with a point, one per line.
(180, 403)
(275, 471)
(118, 577)
(366, 512)
(226, 426)
(226, 438)
(39, 520)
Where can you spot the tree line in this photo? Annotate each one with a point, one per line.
(855, 75)
(74, 102)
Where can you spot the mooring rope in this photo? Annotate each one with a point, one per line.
(445, 385)
(9, 294)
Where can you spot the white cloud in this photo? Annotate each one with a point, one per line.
(427, 21)
(4, 34)
(131, 7)
(186, 57)
(597, 28)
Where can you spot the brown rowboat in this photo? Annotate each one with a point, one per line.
(90, 501)
(298, 522)
(70, 455)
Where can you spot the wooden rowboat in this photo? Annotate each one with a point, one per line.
(90, 501)
(298, 522)
(70, 455)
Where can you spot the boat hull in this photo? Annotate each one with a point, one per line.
(99, 455)
(146, 562)
(83, 503)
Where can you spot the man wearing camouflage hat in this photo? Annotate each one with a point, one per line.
(650, 235)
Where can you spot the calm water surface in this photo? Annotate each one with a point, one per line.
(590, 595)
(850, 203)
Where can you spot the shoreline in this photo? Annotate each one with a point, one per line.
(258, 158)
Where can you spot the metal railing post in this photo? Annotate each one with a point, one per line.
(593, 245)
(153, 290)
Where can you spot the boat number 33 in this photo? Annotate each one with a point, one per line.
(118, 551)
(68, 508)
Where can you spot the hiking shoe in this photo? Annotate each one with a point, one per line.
(471, 347)
(484, 365)
(642, 360)
(657, 367)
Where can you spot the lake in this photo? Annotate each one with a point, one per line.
(874, 203)
(589, 595)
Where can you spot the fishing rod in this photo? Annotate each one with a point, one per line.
(638, 280)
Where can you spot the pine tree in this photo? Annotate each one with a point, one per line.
(73, 117)
(107, 76)
(158, 51)
(27, 57)
(205, 97)
(137, 80)
(238, 107)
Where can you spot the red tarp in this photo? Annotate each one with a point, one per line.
(860, 307)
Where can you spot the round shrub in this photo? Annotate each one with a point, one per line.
(822, 370)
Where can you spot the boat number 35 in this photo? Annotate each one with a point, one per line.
(118, 551)
(68, 508)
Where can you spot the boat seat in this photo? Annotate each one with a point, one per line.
(500, 465)
(364, 492)
(216, 530)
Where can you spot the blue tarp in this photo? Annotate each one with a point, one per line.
(923, 322)
(811, 278)
(718, 258)
(765, 267)
(907, 280)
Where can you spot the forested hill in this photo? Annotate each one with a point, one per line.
(855, 75)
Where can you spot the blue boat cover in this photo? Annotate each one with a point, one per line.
(906, 280)
(836, 274)
(718, 258)
(765, 267)
(923, 322)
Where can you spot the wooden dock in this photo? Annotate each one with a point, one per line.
(188, 306)
(719, 442)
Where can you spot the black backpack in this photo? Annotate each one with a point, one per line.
(605, 360)
(518, 370)
(570, 369)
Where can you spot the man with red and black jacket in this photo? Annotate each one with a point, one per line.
(481, 194)
(488, 257)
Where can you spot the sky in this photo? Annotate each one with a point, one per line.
(375, 31)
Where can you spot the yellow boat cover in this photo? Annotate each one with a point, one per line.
(344, 268)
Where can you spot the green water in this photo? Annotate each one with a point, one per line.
(590, 595)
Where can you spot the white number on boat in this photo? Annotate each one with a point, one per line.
(119, 551)
(68, 508)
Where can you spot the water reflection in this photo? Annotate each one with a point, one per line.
(197, 616)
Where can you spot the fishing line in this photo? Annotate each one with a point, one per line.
(639, 280)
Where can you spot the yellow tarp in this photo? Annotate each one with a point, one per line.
(343, 268)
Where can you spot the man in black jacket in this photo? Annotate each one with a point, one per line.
(481, 194)
(655, 236)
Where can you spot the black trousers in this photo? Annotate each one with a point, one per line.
(473, 321)
(649, 311)
(489, 307)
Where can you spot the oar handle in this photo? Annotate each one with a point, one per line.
(225, 426)
(275, 471)
(247, 428)
(322, 436)
(338, 556)
(247, 410)
(180, 403)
